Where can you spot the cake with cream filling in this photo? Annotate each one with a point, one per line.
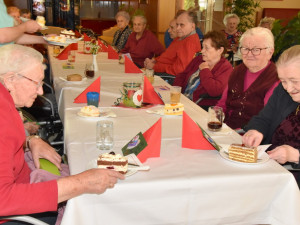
(68, 34)
(90, 110)
(242, 153)
(113, 161)
(173, 109)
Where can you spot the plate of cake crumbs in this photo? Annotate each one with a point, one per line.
(262, 156)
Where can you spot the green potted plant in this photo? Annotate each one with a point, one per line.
(286, 36)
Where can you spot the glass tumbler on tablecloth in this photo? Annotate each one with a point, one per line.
(71, 55)
(89, 70)
(56, 50)
(150, 75)
(92, 98)
(104, 135)
(215, 118)
(175, 93)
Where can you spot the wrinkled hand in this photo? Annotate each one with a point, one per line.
(31, 26)
(96, 181)
(31, 127)
(203, 65)
(149, 63)
(284, 153)
(41, 149)
(252, 138)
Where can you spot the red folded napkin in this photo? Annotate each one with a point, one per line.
(77, 34)
(64, 54)
(112, 54)
(153, 138)
(86, 38)
(103, 46)
(130, 67)
(192, 136)
(94, 87)
(150, 95)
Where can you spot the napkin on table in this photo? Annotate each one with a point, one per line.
(64, 54)
(112, 54)
(103, 46)
(150, 95)
(94, 87)
(130, 67)
(153, 138)
(86, 38)
(192, 136)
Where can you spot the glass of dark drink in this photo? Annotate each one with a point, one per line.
(215, 118)
(89, 70)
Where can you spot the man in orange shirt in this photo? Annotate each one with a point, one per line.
(181, 51)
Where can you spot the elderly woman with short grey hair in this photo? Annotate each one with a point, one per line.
(21, 80)
(121, 35)
(251, 83)
(232, 34)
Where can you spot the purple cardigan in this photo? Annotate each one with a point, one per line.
(212, 82)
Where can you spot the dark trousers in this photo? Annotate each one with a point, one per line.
(47, 217)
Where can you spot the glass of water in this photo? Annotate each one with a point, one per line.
(104, 135)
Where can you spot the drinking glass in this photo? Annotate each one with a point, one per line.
(215, 118)
(71, 56)
(150, 75)
(175, 93)
(92, 98)
(104, 135)
(89, 70)
(56, 50)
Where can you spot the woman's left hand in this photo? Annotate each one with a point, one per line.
(203, 65)
(40, 149)
(284, 153)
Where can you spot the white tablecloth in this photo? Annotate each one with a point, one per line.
(183, 186)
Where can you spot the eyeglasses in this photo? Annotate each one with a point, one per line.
(254, 51)
(37, 84)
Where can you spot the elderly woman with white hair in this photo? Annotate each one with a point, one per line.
(142, 43)
(232, 34)
(21, 80)
(278, 123)
(251, 83)
(121, 35)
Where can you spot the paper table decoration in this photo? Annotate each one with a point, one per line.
(112, 54)
(153, 138)
(86, 38)
(130, 67)
(64, 54)
(150, 95)
(94, 87)
(103, 46)
(192, 135)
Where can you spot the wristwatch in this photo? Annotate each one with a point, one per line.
(29, 139)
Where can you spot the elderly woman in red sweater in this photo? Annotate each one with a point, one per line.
(251, 83)
(207, 74)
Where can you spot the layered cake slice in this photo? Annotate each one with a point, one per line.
(113, 161)
(242, 153)
(173, 109)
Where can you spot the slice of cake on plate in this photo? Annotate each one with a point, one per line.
(173, 109)
(113, 161)
(241, 153)
(90, 110)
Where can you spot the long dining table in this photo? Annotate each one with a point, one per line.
(183, 186)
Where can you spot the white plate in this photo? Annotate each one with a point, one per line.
(159, 111)
(73, 82)
(93, 165)
(68, 41)
(103, 113)
(264, 157)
